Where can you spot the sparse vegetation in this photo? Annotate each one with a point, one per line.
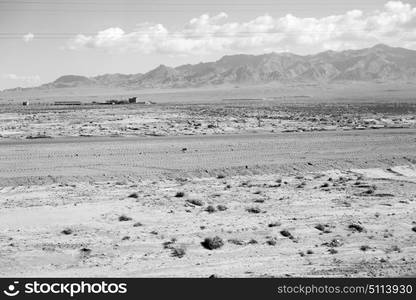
(274, 224)
(212, 243)
(301, 185)
(178, 251)
(323, 228)
(253, 210)
(236, 242)
(196, 202)
(257, 216)
(365, 248)
(210, 209)
(67, 231)
(333, 243)
(124, 218)
(286, 233)
(134, 195)
(85, 251)
(169, 244)
(180, 194)
(320, 227)
(332, 251)
(221, 207)
(271, 242)
(356, 227)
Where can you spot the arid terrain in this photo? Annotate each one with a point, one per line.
(207, 139)
(227, 117)
(196, 190)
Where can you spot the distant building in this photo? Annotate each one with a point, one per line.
(132, 100)
(67, 103)
(117, 101)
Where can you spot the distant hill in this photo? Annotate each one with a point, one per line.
(378, 63)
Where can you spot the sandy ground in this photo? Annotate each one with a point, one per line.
(336, 203)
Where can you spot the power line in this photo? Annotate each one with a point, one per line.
(134, 3)
(254, 9)
(258, 10)
(62, 4)
(94, 6)
(179, 35)
(46, 34)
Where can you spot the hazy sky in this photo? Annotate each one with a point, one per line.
(41, 40)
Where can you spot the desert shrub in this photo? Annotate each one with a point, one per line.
(271, 242)
(178, 251)
(356, 227)
(221, 207)
(180, 194)
(274, 224)
(212, 243)
(286, 233)
(134, 195)
(196, 202)
(67, 231)
(210, 209)
(253, 210)
(236, 242)
(124, 218)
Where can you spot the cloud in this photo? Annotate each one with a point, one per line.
(28, 37)
(393, 24)
(24, 80)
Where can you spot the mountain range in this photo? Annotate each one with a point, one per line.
(378, 63)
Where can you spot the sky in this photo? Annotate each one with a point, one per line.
(41, 40)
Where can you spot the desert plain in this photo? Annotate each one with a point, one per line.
(232, 188)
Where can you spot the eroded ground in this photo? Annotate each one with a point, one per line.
(49, 121)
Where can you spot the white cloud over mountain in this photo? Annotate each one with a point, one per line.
(22, 80)
(394, 24)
